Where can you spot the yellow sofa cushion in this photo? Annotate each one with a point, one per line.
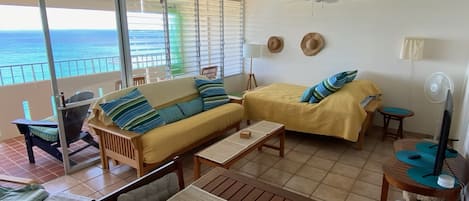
(161, 142)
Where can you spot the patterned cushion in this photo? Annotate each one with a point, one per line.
(31, 192)
(351, 75)
(46, 133)
(171, 114)
(191, 107)
(307, 94)
(328, 86)
(133, 112)
(212, 92)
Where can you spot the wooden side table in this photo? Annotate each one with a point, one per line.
(395, 173)
(394, 113)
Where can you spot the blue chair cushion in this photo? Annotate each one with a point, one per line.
(191, 107)
(328, 86)
(212, 92)
(133, 112)
(46, 133)
(171, 114)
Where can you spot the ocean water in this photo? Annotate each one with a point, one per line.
(26, 47)
(22, 51)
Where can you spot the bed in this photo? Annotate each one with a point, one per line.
(344, 114)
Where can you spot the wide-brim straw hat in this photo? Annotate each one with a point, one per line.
(275, 44)
(312, 43)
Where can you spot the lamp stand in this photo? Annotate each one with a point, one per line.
(252, 83)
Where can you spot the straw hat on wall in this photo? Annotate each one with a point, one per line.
(275, 44)
(312, 43)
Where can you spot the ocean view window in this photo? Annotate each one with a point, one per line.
(85, 41)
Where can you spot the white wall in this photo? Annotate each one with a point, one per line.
(367, 35)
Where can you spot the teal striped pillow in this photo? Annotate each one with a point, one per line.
(351, 75)
(212, 92)
(328, 86)
(133, 112)
(307, 94)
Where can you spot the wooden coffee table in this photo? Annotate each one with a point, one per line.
(229, 150)
(228, 185)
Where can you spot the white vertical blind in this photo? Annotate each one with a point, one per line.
(233, 36)
(183, 37)
(211, 22)
(145, 21)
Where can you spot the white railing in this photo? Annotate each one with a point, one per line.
(23, 73)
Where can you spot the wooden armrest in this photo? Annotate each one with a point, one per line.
(17, 180)
(235, 99)
(113, 130)
(34, 123)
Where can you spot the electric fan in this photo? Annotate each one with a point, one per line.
(436, 87)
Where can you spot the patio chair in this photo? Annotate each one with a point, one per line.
(210, 72)
(158, 185)
(45, 135)
(139, 80)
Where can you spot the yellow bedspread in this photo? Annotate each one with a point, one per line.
(339, 115)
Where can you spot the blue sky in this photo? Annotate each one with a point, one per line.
(29, 18)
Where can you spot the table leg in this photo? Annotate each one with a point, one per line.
(400, 130)
(282, 143)
(196, 167)
(384, 189)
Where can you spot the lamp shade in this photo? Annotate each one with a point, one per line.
(252, 50)
(412, 48)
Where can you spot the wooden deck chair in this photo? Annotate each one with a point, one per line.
(45, 135)
(140, 80)
(158, 185)
(210, 72)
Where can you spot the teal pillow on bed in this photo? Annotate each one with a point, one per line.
(212, 92)
(133, 112)
(307, 94)
(171, 114)
(328, 86)
(350, 75)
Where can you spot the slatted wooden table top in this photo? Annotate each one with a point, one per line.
(232, 186)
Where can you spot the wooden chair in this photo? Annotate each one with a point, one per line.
(210, 72)
(139, 80)
(44, 133)
(164, 177)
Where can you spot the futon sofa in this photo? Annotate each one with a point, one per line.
(145, 152)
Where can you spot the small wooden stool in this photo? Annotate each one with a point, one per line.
(394, 113)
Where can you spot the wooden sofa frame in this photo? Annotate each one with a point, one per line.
(125, 146)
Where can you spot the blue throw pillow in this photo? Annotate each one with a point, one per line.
(171, 114)
(328, 86)
(212, 92)
(191, 107)
(133, 112)
(351, 75)
(307, 94)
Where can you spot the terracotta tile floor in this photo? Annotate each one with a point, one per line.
(15, 160)
(319, 167)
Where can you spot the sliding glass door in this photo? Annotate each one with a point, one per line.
(85, 63)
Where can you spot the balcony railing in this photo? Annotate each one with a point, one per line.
(23, 73)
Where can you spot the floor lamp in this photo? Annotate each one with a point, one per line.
(251, 51)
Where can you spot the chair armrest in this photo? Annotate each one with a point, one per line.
(18, 180)
(34, 123)
(172, 166)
